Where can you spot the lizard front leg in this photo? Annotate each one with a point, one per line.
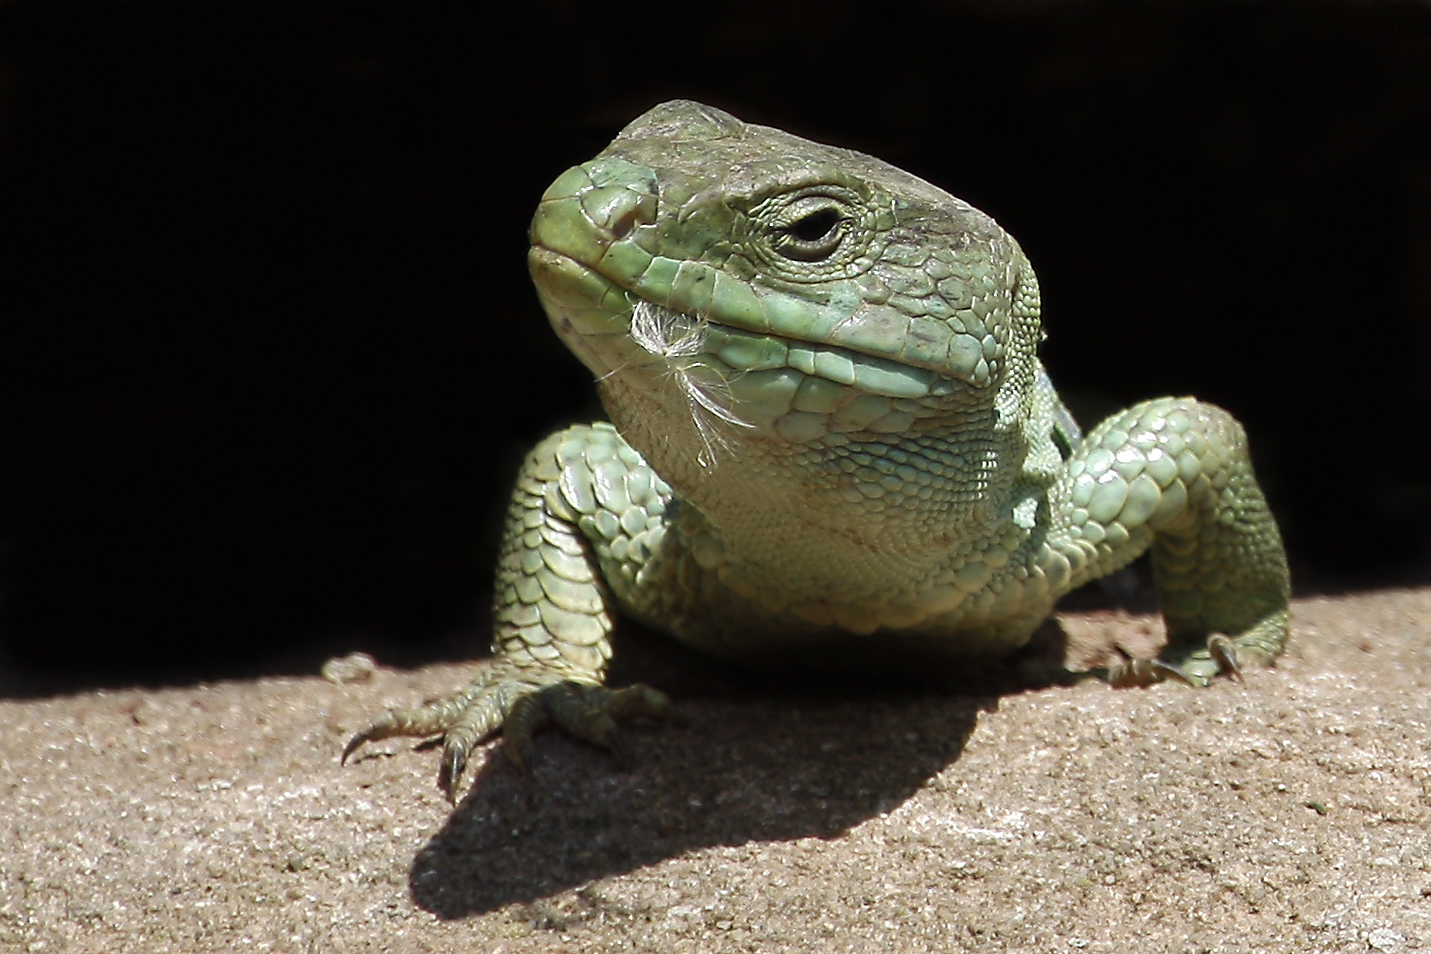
(1174, 474)
(583, 500)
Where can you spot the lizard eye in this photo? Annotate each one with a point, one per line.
(812, 233)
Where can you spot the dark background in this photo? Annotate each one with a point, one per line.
(270, 355)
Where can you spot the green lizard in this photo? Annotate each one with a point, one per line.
(832, 443)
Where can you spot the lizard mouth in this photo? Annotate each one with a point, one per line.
(669, 333)
(591, 310)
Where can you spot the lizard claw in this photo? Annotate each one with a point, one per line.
(1138, 673)
(449, 774)
(373, 732)
(1224, 652)
(353, 745)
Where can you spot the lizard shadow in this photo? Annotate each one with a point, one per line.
(758, 758)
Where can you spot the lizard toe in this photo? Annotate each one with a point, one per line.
(1140, 673)
(429, 719)
(585, 712)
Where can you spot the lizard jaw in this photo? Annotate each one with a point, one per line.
(601, 322)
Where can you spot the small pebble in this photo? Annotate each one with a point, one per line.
(354, 667)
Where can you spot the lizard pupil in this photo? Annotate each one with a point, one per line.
(815, 226)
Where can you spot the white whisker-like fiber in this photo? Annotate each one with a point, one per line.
(678, 338)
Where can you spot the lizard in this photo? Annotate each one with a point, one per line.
(831, 443)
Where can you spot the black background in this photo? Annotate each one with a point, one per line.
(270, 354)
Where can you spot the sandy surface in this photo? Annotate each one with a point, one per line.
(1290, 813)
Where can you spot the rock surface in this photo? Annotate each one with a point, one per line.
(1289, 814)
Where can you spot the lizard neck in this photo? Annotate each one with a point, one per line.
(880, 514)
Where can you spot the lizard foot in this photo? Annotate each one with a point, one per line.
(1193, 666)
(510, 701)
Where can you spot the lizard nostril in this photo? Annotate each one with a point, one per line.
(624, 224)
(642, 211)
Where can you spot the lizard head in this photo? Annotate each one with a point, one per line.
(778, 291)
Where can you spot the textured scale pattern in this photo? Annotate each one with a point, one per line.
(832, 444)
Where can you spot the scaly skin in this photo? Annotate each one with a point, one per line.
(833, 444)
